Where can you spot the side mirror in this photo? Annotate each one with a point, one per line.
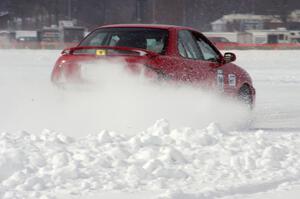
(229, 57)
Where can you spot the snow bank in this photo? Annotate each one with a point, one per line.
(183, 163)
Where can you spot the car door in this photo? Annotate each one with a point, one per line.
(210, 63)
(189, 53)
(222, 75)
(198, 65)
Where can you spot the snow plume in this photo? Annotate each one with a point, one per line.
(112, 99)
(129, 101)
(183, 163)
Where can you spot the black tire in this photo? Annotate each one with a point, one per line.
(245, 96)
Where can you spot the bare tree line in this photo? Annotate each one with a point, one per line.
(91, 13)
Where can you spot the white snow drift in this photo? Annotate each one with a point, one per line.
(205, 163)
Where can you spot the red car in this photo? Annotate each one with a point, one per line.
(168, 52)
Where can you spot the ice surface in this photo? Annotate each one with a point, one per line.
(276, 76)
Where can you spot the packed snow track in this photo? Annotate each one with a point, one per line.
(107, 139)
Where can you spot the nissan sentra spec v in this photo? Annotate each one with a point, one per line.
(166, 52)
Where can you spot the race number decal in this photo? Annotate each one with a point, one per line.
(220, 79)
(232, 80)
(101, 52)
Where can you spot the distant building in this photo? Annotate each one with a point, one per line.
(277, 36)
(244, 22)
(294, 20)
(219, 25)
(259, 29)
(294, 16)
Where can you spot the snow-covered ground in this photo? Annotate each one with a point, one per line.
(53, 143)
(276, 77)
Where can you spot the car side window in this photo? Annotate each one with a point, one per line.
(155, 44)
(98, 40)
(209, 54)
(187, 45)
(114, 40)
(181, 49)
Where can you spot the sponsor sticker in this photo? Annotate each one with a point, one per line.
(232, 80)
(220, 79)
(101, 52)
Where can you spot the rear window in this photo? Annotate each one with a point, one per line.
(145, 38)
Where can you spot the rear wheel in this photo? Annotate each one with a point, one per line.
(245, 96)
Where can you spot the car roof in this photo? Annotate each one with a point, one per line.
(157, 26)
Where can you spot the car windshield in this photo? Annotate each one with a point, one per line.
(144, 38)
